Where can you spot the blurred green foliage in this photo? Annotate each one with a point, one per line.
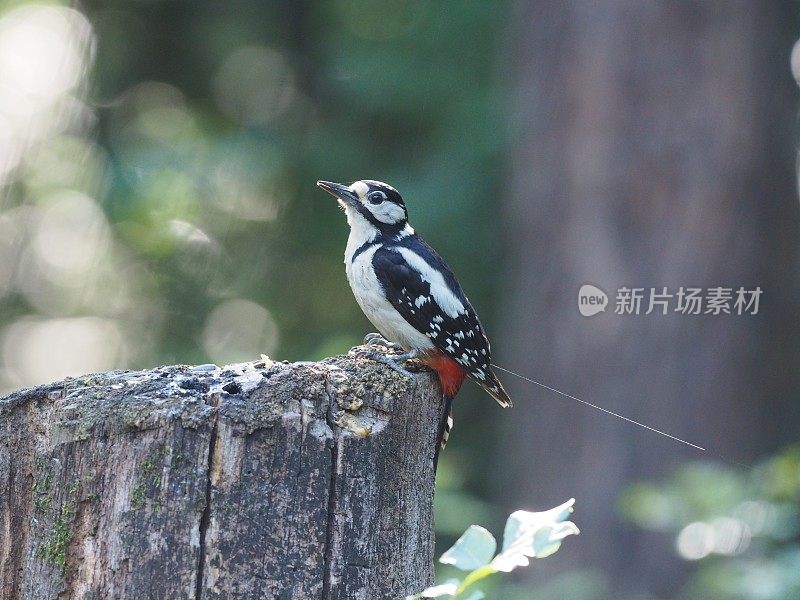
(194, 133)
(741, 526)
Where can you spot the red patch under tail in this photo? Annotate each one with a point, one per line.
(451, 374)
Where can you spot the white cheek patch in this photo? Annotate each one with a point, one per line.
(387, 212)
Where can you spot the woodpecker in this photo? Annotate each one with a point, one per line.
(410, 294)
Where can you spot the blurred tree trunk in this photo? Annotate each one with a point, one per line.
(310, 480)
(653, 149)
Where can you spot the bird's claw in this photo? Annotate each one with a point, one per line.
(393, 362)
(376, 339)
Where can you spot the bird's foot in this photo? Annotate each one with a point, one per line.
(376, 339)
(393, 361)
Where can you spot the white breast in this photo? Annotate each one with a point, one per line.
(370, 297)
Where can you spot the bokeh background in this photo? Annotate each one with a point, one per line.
(157, 205)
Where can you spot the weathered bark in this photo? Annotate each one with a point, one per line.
(264, 480)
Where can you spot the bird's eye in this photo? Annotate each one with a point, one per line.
(376, 197)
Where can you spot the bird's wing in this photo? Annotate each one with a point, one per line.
(422, 288)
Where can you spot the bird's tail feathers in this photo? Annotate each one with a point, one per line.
(446, 423)
(445, 426)
(495, 389)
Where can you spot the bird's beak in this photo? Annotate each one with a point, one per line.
(340, 191)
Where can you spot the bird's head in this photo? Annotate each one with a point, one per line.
(371, 203)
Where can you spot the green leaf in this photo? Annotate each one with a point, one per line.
(533, 534)
(474, 549)
(523, 523)
(548, 539)
(527, 535)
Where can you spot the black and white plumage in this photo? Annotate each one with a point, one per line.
(408, 291)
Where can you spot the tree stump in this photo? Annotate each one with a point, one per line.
(258, 480)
